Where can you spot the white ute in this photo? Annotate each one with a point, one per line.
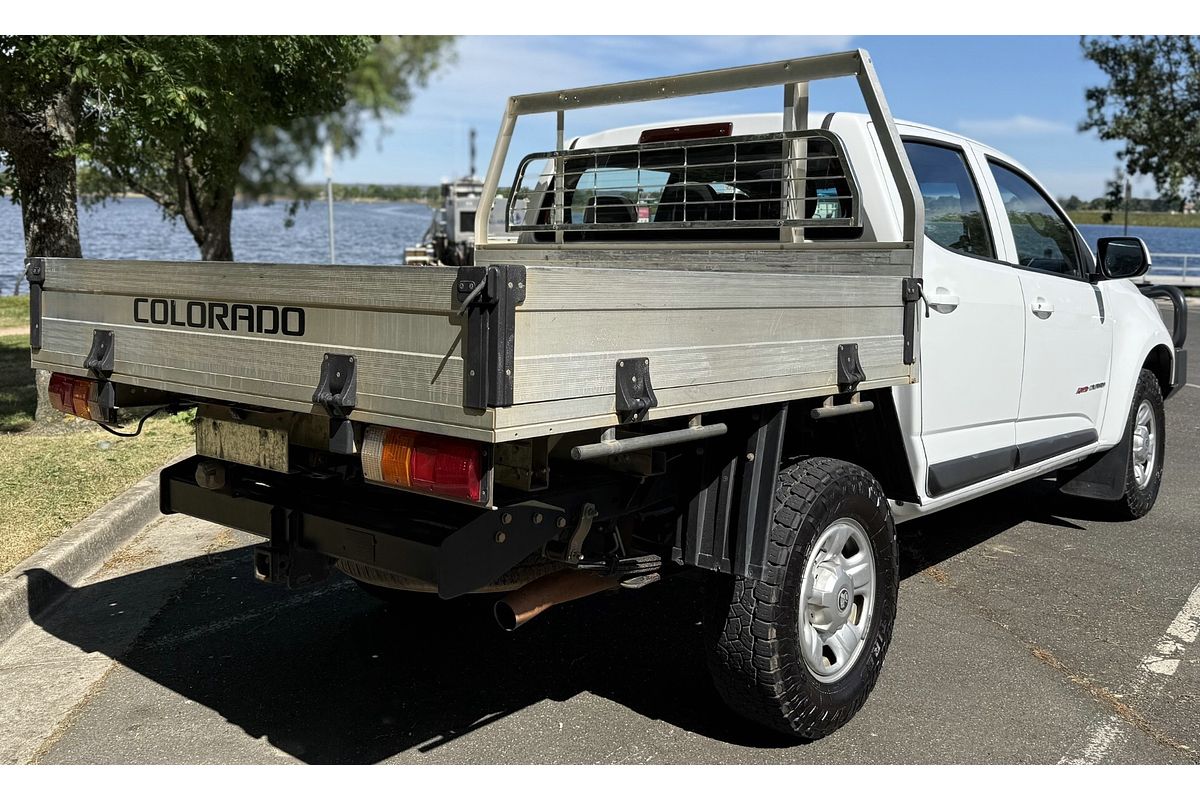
(747, 345)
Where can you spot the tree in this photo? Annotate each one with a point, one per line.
(43, 91)
(1151, 104)
(204, 118)
(189, 109)
(43, 82)
(1114, 195)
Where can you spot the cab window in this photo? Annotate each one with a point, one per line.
(1044, 240)
(953, 213)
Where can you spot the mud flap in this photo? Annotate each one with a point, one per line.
(1100, 476)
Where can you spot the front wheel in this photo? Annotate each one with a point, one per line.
(1148, 444)
(800, 650)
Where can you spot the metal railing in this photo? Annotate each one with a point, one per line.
(792, 75)
(1174, 269)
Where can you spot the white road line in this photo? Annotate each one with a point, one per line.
(1192, 385)
(1152, 674)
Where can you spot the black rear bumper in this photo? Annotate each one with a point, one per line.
(361, 524)
(311, 520)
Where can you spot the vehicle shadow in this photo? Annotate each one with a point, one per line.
(330, 674)
(928, 542)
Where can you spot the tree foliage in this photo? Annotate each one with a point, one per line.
(1151, 104)
(190, 121)
(383, 83)
(180, 116)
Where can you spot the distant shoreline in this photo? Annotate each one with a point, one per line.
(244, 201)
(428, 196)
(1151, 219)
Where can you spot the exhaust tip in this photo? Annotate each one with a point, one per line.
(506, 618)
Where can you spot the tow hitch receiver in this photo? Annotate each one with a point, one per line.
(282, 560)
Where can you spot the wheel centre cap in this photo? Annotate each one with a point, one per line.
(835, 584)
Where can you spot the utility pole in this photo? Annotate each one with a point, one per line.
(472, 172)
(1128, 191)
(329, 198)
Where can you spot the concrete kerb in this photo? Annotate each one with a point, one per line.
(37, 583)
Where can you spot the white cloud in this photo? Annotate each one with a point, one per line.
(1016, 125)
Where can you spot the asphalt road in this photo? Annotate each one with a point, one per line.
(1030, 630)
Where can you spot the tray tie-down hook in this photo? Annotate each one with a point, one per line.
(635, 392)
(100, 363)
(337, 393)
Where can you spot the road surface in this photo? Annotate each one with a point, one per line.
(1030, 630)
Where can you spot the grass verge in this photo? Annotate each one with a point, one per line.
(14, 312)
(50, 482)
(54, 475)
(18, 397)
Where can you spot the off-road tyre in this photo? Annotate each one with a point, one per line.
(752, 626)
(1138, 500)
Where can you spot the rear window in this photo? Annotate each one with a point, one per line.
(953, 212)
(712, 189)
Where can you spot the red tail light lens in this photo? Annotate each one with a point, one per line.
(71, 395)
(423, 462)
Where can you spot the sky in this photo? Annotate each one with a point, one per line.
(1021, 95)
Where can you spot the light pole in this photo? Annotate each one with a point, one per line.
(329, 198)
(1128, 192)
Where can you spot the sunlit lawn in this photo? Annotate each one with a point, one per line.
(52, 476)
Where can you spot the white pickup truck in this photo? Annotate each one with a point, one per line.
(747, 345)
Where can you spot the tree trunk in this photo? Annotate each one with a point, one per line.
(206, 204)
(45, 187)
(216, 243)
(45, 178)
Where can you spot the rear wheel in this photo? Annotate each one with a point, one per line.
(800, 650)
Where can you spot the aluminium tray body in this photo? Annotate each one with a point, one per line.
(723, 327)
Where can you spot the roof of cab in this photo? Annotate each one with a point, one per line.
(771, 122)
(748, 124)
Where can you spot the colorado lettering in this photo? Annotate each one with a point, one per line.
(232, 317)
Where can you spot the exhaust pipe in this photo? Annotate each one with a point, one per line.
(518, 607)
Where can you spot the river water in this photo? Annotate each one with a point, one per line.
(367, 233)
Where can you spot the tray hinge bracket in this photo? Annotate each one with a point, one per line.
(337, 393)
(488, 298)
(911, 292)
(35, 276)
(635, 391)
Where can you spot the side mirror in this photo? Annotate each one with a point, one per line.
(1122, 257)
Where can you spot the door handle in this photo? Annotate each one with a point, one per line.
(1041, 308)
(941, 301)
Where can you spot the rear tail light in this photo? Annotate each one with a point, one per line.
(78, 397)
(423, 462)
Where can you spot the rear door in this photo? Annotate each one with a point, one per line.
(972, 342)
(1068, 340)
